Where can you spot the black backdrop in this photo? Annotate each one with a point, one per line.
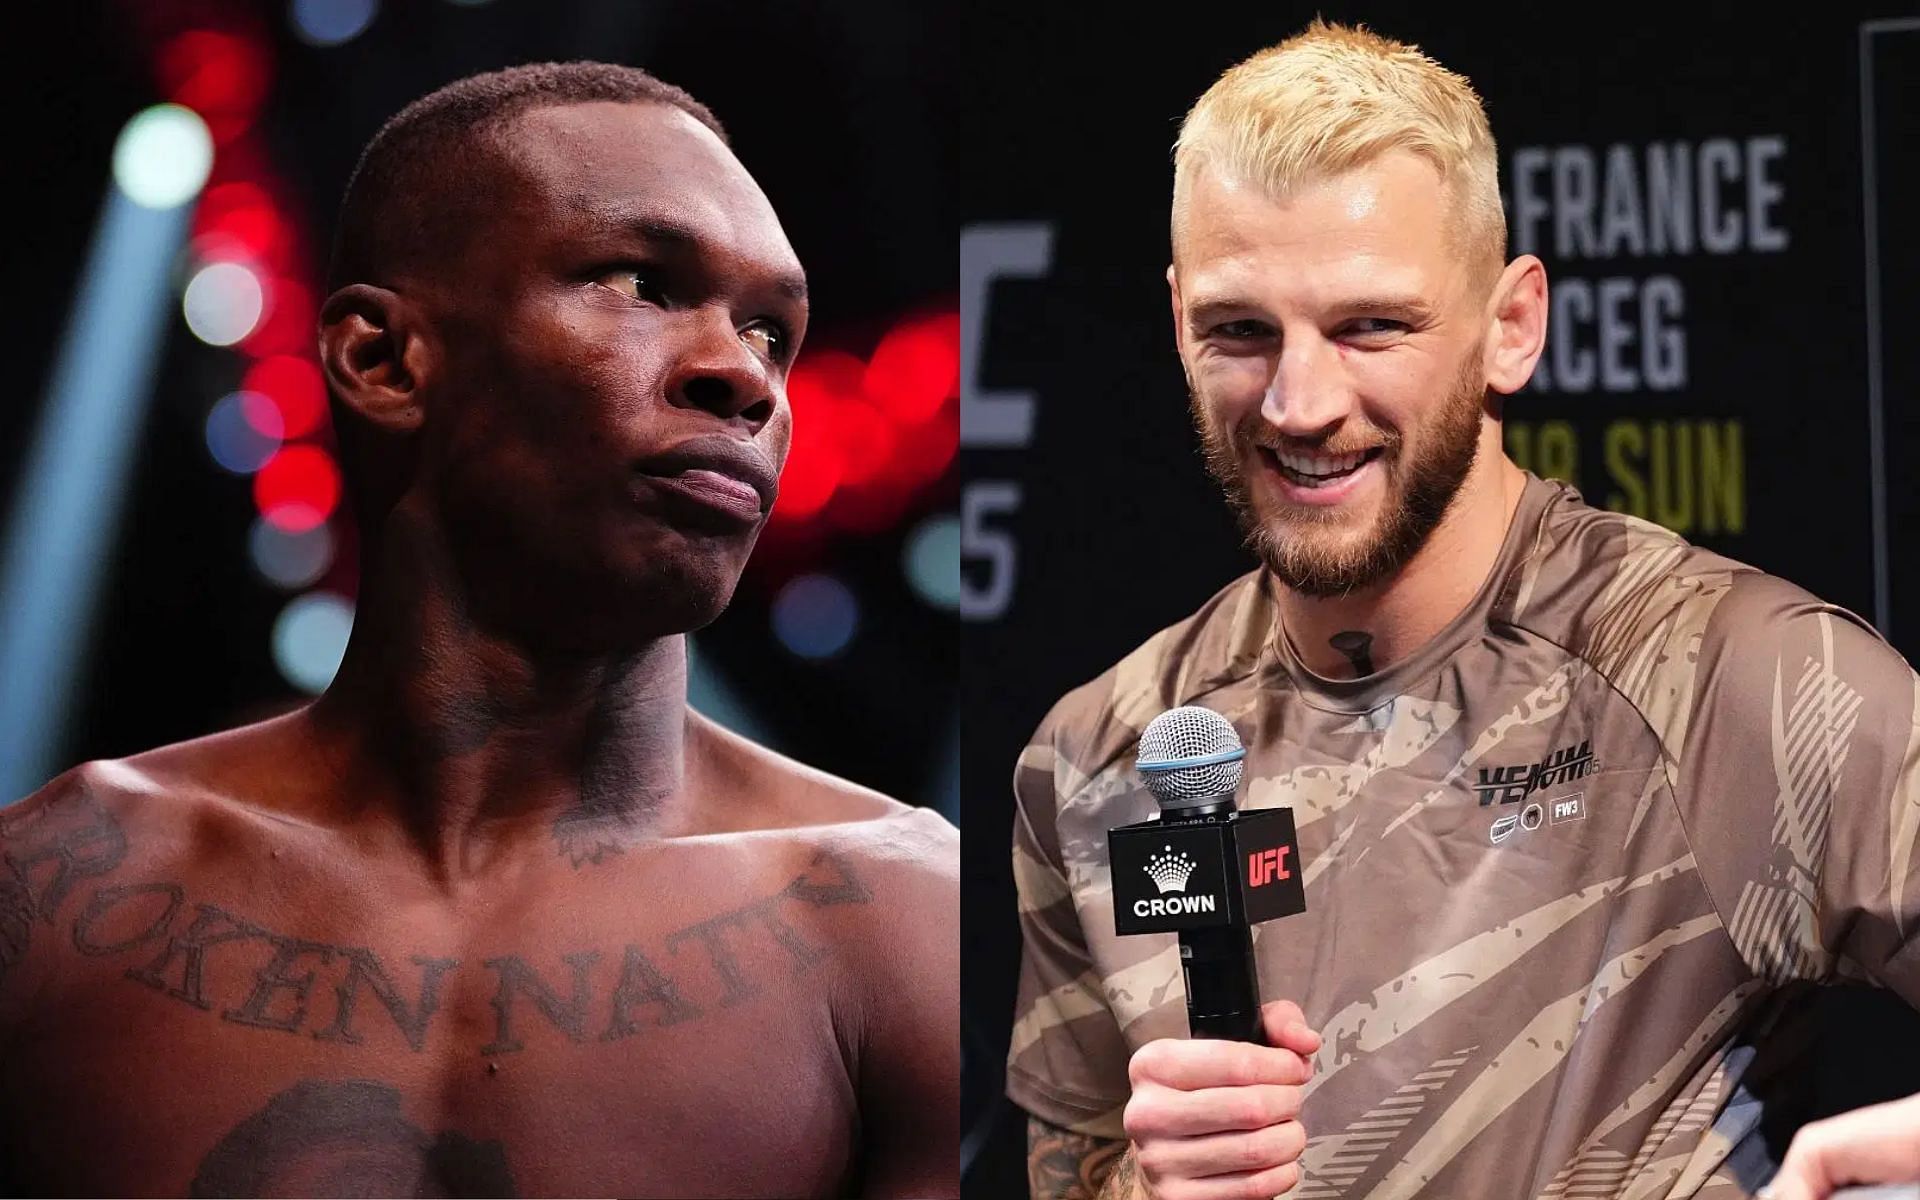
(1730, 351)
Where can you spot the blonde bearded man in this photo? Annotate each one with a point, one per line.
(1439, 651)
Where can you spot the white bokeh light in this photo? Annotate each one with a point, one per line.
(223, 303)
(310, 639)
(162, 156)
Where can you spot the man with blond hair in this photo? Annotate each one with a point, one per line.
(1584, 811)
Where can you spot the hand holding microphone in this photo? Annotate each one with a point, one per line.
(1218, 1120)
(1214, 1117)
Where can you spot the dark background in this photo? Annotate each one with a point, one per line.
(1117, 531)
(836, 107)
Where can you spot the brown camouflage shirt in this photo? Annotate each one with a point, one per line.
(1569, 868)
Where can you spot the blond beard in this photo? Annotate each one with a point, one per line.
(1419, 490)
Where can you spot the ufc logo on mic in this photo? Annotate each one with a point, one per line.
(1265, 866)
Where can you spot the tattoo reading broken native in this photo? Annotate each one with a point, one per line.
(167, 936)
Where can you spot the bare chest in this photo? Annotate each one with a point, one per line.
(218, 1039)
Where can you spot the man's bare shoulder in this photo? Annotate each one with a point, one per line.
(187, 794)
(912, 853)
(791, 794)
(100, 801)
(60, 844)
(163, 813)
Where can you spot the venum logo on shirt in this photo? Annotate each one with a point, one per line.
(1511, 785)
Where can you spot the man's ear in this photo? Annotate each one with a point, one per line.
(376, 355)
(1516, 324)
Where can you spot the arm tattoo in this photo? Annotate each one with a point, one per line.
(1063, 1165)
(1358, 647)
(1120, 1183)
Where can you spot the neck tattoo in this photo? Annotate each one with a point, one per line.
(1358, 648)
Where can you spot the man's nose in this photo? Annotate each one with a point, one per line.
(1308, 393)
(719, 374)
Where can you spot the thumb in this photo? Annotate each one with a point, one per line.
(1286, 1027)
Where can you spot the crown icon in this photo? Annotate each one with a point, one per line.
(1169, 872)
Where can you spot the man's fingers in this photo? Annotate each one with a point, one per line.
(1260, 1185)
(1802, 1175)
(1286, 1026)
(1284, 1012)
(1218, 1120)
(1795, 1187)
(1244, 1153)
(1162, 1112)
(1209, 1063)
(1876, 1144)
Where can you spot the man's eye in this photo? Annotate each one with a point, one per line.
(1244, 330)
(769, 340)
(1367, 325)
(640, 285)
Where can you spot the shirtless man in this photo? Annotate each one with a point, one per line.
(498, 914)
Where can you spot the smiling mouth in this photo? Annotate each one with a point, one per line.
(1317, 470)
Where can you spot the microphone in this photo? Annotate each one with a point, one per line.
(1205, 870)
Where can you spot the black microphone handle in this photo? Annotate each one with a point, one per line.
(1223, 990)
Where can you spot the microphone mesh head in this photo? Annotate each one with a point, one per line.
(1183, 733)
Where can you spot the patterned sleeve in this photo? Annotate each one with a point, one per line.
(1798, 774)
(1067, 1063)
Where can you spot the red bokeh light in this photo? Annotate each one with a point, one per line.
(872, 494)
(828, 389)
(298, 488)
(287, 327)
(937, 442)
(238, 220)
(866, 439)
(295, 387)
(924, 451)
(222, 76)
(817, 461)
(916, 367)
(810, 476)
(869, 435)
(831, 373)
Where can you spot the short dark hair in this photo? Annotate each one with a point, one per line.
(402, 199)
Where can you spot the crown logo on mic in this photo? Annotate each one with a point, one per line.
(1169, 872)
